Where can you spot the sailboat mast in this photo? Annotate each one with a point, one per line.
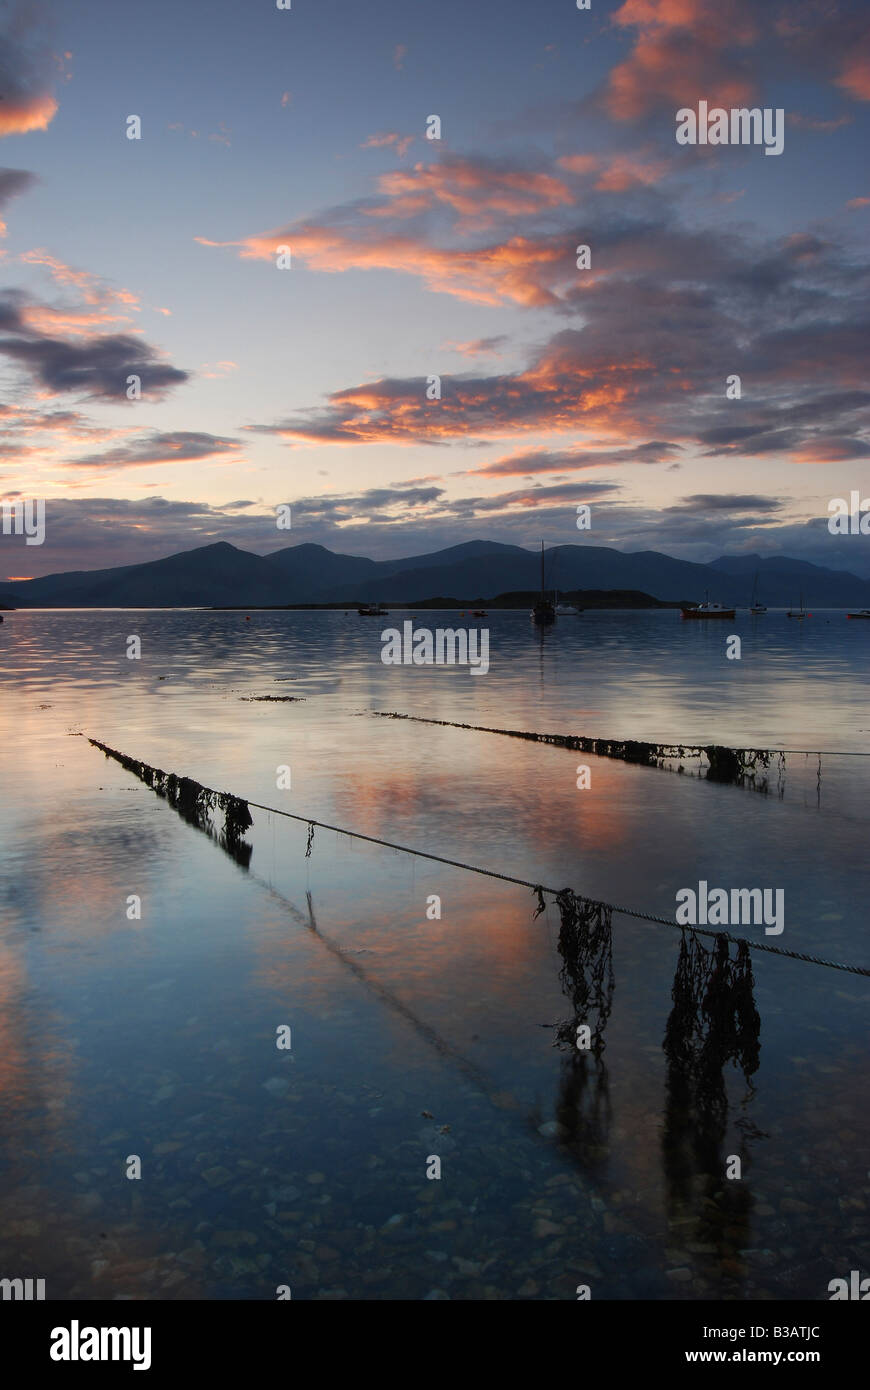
(542, 570)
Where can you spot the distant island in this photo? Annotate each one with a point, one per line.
(518, 599)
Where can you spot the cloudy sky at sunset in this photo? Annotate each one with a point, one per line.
(413, 257)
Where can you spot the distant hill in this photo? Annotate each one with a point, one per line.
(223, 575)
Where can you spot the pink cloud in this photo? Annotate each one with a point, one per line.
(474, 189)
(855, 76)
(386, 138)
(683, 50)
(617, 173)
(514, 270)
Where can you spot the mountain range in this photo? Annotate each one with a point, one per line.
(223, 575)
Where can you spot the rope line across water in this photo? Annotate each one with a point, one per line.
(667, 752)
(522, 882)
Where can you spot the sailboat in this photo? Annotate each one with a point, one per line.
(799, 612)
(543, 611)
(756, 606)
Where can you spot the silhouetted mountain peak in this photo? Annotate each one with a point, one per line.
(222, 574)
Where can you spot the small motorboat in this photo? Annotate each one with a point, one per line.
(706, 610)
(478, 612)
(862, 613)
(566, 610)
(373, 610)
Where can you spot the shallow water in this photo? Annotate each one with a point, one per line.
(411, 1037)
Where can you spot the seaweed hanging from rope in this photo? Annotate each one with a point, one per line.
(586, 973)
(194, 803)
(585, 946)
(713, 1022)
(738, 766)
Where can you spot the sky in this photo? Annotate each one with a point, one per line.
(306, 377)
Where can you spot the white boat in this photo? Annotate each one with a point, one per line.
(707, 610)
(566, 610)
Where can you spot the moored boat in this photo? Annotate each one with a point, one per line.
(799, 612)
(543, 611)
(373, 610)
(706, 610)
(862, 613)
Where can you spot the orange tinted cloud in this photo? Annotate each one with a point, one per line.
(475, 193)
(217, 369)
(830, 450)
(90, 287)
(855, 77)
(684, 50)
(473, 188)
(28, 70)
(40, 318)
(508, 271)
(387, 138)
(34, 113)
(573, 458)
(558, 392)
(617, 173)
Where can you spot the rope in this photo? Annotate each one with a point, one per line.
(524, 883)
(658, 750)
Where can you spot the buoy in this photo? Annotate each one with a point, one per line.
(247, 620)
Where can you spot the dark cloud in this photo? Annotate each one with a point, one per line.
(154, 448)
(13, 182)
(97, 366)
(706, 503)
(26, 75)
(579, 457)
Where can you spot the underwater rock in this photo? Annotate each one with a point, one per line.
(552, 1130)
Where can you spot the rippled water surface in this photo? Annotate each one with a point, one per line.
(416, 1037)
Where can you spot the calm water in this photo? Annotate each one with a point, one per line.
(412, 1037)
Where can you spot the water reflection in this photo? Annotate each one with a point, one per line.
(714, 1024)
(161, 1032)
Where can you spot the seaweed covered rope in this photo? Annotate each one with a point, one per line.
(194, 803)
(725, 764)
(168, 784)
